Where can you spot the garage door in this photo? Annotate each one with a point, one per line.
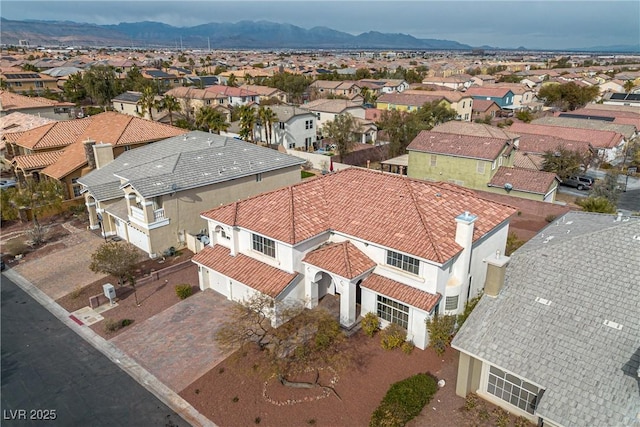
(138, 238)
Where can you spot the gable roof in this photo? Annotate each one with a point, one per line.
(13, 101)
(482, 105)
(526, 180)
(450, 144)
(414, 100)
(625, 130)
(287, 112)
(193, 160)
(336, 106)
(36, 161)
(597, 138)
(399, 291)
(589, 370)
(492, 92)
(20, 122)
(412, 216)
(474, 129)
(540, 144)
(109, 127)
(230, 91)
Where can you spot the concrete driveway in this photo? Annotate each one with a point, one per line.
(66, 269)
(177, 345)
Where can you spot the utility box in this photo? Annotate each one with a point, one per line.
(109, 292)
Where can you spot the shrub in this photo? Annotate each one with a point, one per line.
(183, 291)
(370, 324)
(76, 292)
(606, 165)
(470, 402)
(441, 330)
(111, 325)
(550, 218)
(404, 400)
(468, 308)
(407, 347)
(521, 422)
(392, 336)
(16, 246)
(596, 204)
(501, 417)
(513, 243)
(305, 174)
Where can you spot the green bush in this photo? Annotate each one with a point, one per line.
(392, 336)
(370, 324)
(550, 218)
(306, 174)
(407, 347)
(441, 330)
(404, 401)
(111, 325)
(468, 308)
(183, 291)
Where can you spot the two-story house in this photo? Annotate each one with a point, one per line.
(267, 93)
(127, 103)
(37, 106)
(192, 99)
(406, 251)
(501, 96)
(152, 196)
(23, 82)
(234, 96)
(295, 128)
(327, 109)
(479, 157)
(460, 102)
(325, 88)
(554, 338)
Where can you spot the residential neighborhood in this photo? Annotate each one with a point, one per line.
(278, 236)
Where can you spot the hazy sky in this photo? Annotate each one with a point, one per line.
(542, 24)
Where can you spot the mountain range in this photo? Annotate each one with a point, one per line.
(239, 35)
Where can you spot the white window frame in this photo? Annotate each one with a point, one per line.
(433, 161)
(404, 262)
(258, 177)
(451, 303)
(480, 167)
(263, 245)
(502, 385)
(392, 311)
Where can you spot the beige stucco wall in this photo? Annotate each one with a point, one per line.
(460, 170)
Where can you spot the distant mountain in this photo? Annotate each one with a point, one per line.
(241, 35)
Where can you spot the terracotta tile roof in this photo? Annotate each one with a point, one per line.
(449, 95)
(230, 91)
(262, 90)
(36, 161)
(527, 160)
(401, 292)
(336, 106)
(264, 278)
(415, 100)
(109, 127)
(483, 105)
(412, 216)
(539, 144)
(597, 138)
(458, 145)
(20, 122)
(527, 180)
(72, 158)
(194, 93)
(494, 92)
(343, 259)
(474, 129)
(13, 101)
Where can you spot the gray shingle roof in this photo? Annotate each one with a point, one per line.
(192, 160)
(590, 272)
(128, 96)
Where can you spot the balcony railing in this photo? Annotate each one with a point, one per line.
(137, 213)
(158, 214)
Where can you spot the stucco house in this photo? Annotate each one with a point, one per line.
(295, 128)
(501, 96)
(406, 251)
(11, 102)
(152, 196)
(127, 103)
(554, 338)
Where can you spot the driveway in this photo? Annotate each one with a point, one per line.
(62, 271)
(177, 345)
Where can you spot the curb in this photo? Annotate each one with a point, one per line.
(117, 356)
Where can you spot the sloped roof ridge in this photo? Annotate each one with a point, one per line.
(292, 214)
(129, 121)
(347, 260)
(424, 222)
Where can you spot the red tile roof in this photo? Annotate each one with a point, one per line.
(401, 292)
(264, 278)
(343, 259)
(230, 91)
(458, 145)
(527, 180)
(539, 144)
(494, 92)
(13, 101)
(36, 161)
(412, 216)
(110, 127)
(597, 138)
(414, 100)
(483, 105)
(474, 129)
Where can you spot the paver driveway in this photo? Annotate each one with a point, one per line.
(177, 345)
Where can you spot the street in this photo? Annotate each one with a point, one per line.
(51, 376)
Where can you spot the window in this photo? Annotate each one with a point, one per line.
(281, 125)
(292, 145)
(18, 84)
(208, 102)
(121, 106)
(434, 160)
(221, 101)
(404, 262)
(224, 234)
(451, 303)
(127, 147)
(463, 103)
(513, 390)
(480, 167)
(39, 84)
(493, 165)
(259, 177)
(308, 124)
(264, 245)
(76, 187)
(393, 311)
(500, 161)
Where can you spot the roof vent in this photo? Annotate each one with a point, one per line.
(613, 325)
(543, 301)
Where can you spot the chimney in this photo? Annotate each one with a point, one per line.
(88, 152)
(496, 269)
(103, 154)
(464, 237)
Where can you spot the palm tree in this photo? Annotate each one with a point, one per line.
(628, 85)
(268, 118)
(247, 123)
(231, 81)
(171, 104)
(147, 101)
(209, 119)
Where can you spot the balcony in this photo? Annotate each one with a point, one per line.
(158, 220)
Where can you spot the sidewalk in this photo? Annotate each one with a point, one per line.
(113, 353)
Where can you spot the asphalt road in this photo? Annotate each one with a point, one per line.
(51, 376)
